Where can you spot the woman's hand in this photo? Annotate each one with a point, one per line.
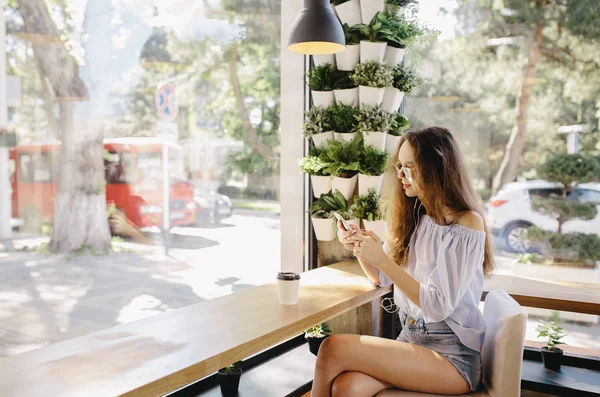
(346, 237)
(369, 248)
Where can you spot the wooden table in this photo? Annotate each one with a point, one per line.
(162, 353)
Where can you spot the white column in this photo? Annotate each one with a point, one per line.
(5, 188)
(292, 146)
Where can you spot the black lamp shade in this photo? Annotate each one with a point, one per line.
(317, 31)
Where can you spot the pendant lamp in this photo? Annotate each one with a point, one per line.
(317, 31)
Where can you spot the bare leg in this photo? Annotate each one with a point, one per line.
(399, 364)
(357, 384)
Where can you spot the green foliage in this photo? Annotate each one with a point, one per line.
(528, 258)
(406, 80)
(570, 169)
(316, 121)
(321, 78)
(368, 207)
(343, 80)
(553, 332)
(375, 31)
(313, 165)
(373, 161)
(580, 247)
(318, 331)
(233, 368)
(373, 74)
(399, 124)
(563, 210)
(352, 34)
(373, 119)
(338, 2)
(341, 157)
(46, 230)
(342, 117)
(331, 202)
(403, 30)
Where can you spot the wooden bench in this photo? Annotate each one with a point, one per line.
(160, 354)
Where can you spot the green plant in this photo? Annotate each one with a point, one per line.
(233, 368)
(375, 31)
(368, 207)
(373, 161)
(566, 247)
(399, 124)
(352, 34)
(320, 78)
(371, 119)
(570, 169)
(313, 164)
(528, 258)
(373, 74)
(404, 30)
(342, 117)
(399, 3)
(338, 2)
(341, 157)
(553, 331)
(331, 202)
(318, 331)
(406, 80)
(316, 121)
(343, 80)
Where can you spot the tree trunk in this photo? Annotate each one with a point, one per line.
(80, 206)
(514, 148)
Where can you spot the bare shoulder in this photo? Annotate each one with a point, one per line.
(472, 220)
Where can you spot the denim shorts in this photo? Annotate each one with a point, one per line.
(440, 338)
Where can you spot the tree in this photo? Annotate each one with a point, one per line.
(80, 207)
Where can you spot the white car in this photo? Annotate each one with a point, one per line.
(509, 213)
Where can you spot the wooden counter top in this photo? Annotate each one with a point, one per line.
(159, 354)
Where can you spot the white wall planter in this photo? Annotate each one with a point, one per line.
(393, 56)
(376, 139)
(347, 137)
(323, 59)
(369, 8)
(347, 97)
(349, 12)
(321, 139)
(370, 96)
(372, 51)
(346, 186)
(354, 221)
(379, 227)
(392, 99)
(349, 58)
(366, 182)
(324, 229)
(391, 144)
(321, 185)
(322, 99)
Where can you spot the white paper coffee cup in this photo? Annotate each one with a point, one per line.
(288, 285)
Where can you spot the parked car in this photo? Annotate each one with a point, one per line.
(212, 207)
(510, 213)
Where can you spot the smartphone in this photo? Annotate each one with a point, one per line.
(345, 223)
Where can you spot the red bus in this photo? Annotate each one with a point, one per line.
(133, 173)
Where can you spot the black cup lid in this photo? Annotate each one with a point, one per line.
(288, 276)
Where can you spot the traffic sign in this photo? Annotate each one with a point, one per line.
(166, 102)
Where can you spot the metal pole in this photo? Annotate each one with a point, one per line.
(166, 200)
(5, 188)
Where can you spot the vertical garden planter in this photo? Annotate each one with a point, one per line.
(324, 229)
(370, 96)
(320, 184)
(366, 182)
(344, 137)
(349, 12)
(323, 98)
(347, 97)
(320, 140)
(368, 9)
(349, 58)
(393, 55)
(346, 186)
(378, 227)
(375, 138)
(392, 99)
(391, 144)
(323, 59)
(372, 51)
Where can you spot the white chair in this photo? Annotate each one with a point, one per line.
(502, 352)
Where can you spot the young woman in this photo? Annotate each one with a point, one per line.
(437, 254)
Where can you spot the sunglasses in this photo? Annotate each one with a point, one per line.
(406, 171)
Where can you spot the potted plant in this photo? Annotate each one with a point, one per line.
(315, 167)
(405, 82)
(368, 208)
(372, 47)
(374, 125)
(349, 58)
(551, 355)
(345, 89)
(343, 162)
(229, 379)
(320, 82)
(398, 126)
(317, 125)
(404, 31)
(343, 121)
(322, 217)
(372, 77)
(372, 166)
(315, 336)
(370, 8)
(348, 11)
